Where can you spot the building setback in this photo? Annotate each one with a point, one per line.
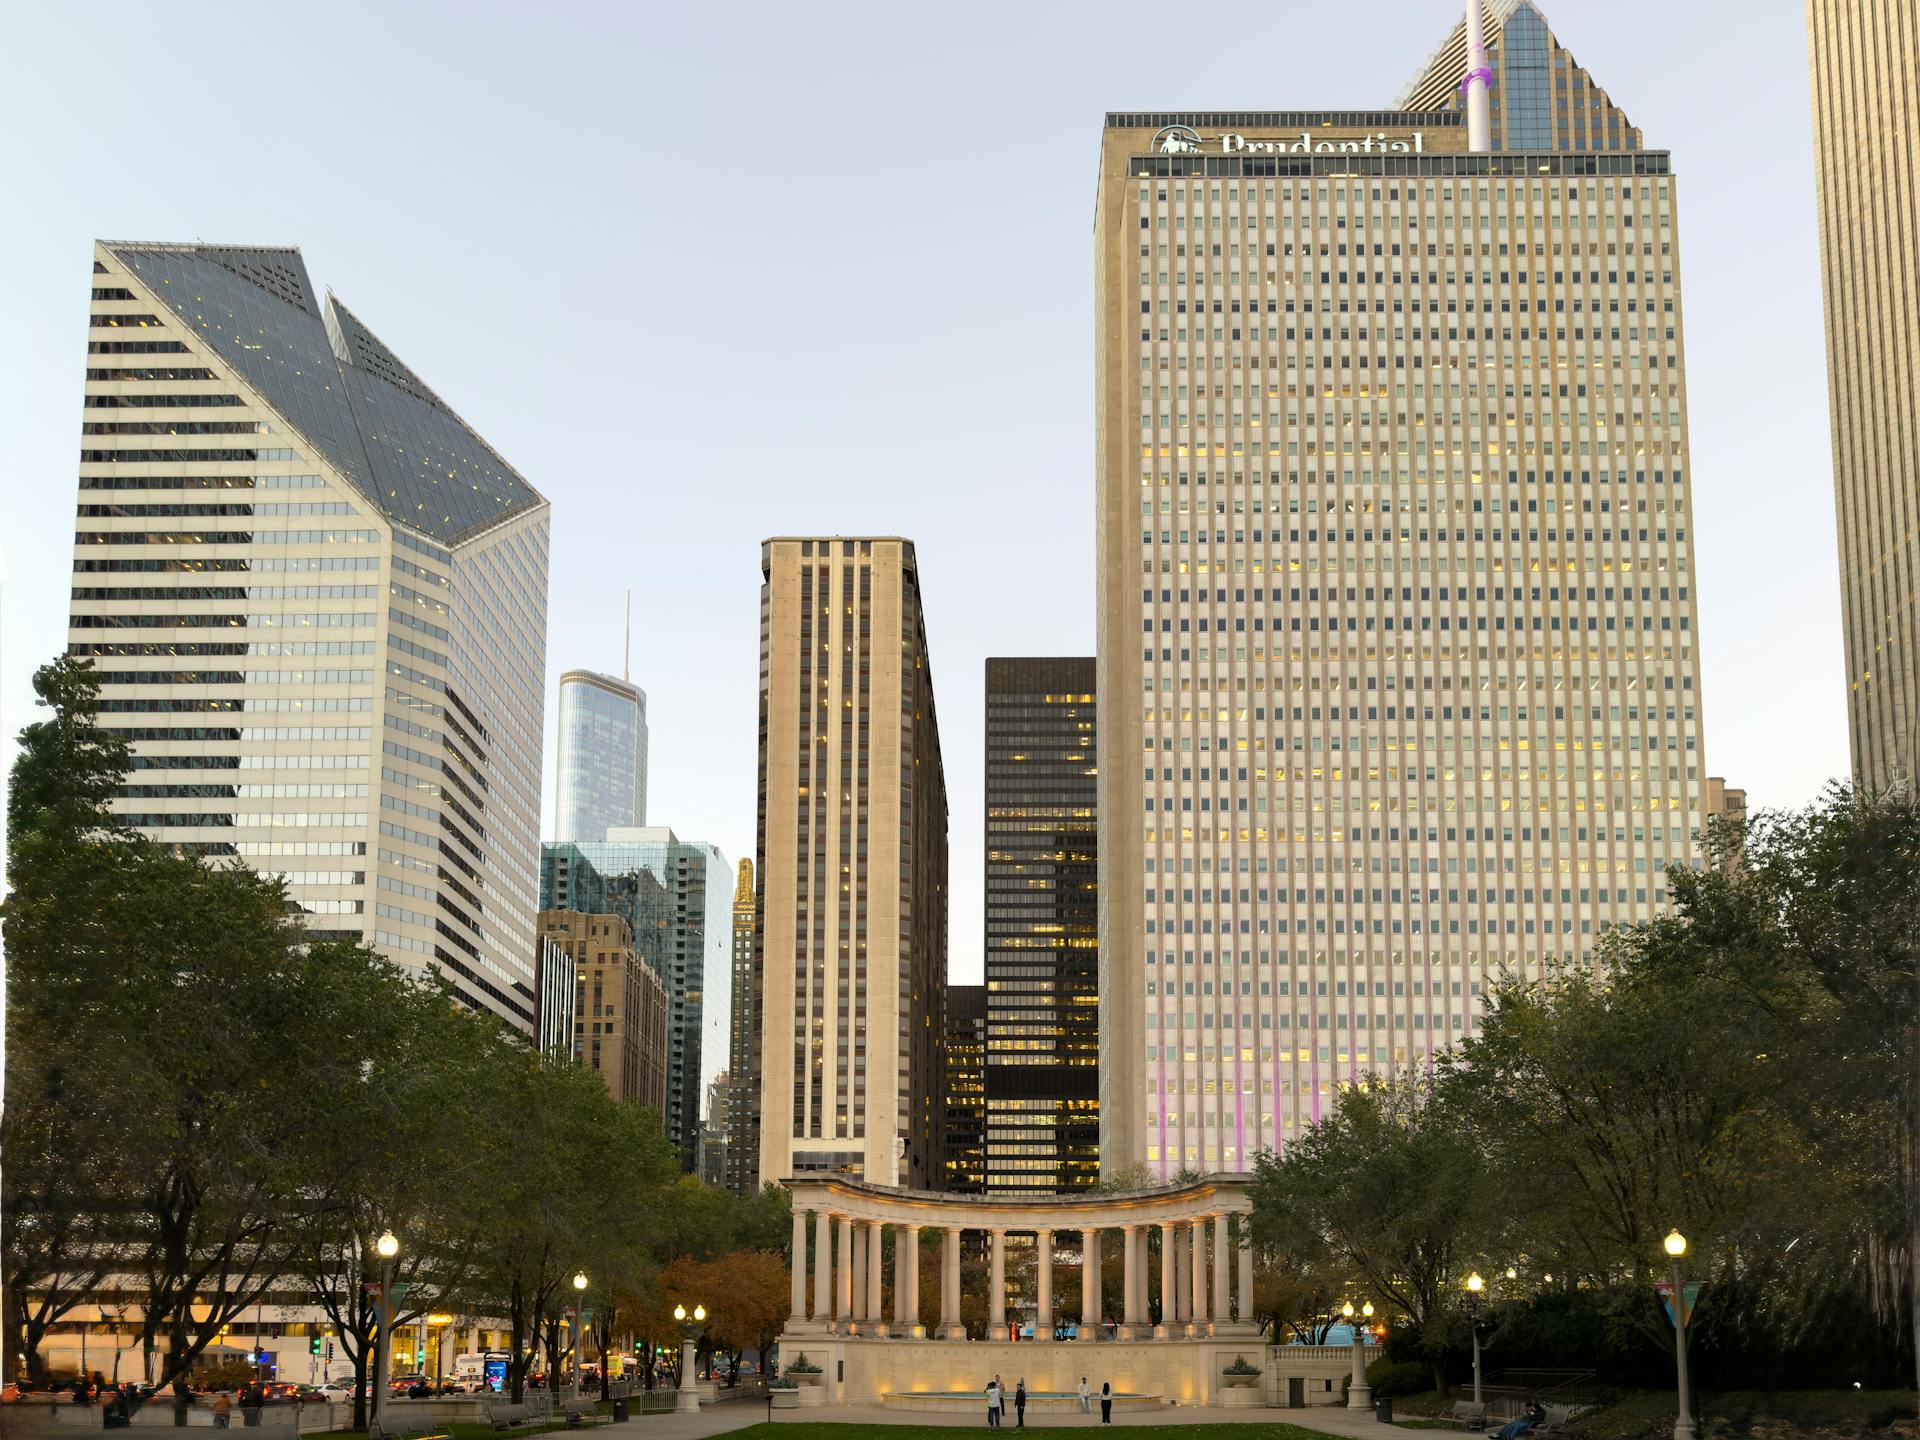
(674, 894)
(316, 602)
(1042, 927)
(743, 1098)
(620, 1004)
(851, 957)
(601, 773)
(1865, 118)
(1396, 611)
(1539, 96)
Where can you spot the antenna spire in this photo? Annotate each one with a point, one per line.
(1479, 77)
(626, 654)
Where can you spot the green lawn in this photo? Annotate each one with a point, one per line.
(805, 1430)
(1648, 1414)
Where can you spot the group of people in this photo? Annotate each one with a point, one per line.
(997, 1402)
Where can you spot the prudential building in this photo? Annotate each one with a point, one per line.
(1398, 665)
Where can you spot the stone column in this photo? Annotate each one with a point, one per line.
(1043, 1264)
(997, 1286)
(823, 1267)
(1245, 1316)
(857, 1279)
(906, 1280)
(1182, 1275)
(1169, 1273)
(798, 1310)
(950, 1326)
(876, 1272)
(1222, 1255)
(1089, 1285)
(843, 1304)
(1200, 1272)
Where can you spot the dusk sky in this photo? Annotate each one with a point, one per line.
(706, 274)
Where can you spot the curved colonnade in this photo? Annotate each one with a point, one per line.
(1205, 1279)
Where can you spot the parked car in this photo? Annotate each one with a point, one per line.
(333, 1392)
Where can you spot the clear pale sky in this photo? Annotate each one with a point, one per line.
(708, 273)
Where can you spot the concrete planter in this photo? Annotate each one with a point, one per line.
(786, 1399)
(804, 1378)
(1240, 1397)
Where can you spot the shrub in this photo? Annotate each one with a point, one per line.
(1399, 1377)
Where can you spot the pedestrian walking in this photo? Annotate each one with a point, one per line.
(1020, 1403)
(993, 1403)
(1086, 1397)
(222, 1410)
(1106, 1402)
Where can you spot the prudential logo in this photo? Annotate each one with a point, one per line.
(1176, 140)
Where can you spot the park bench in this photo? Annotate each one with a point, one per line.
(1555, 1422)
(1469, 1414)
(585, 1412)
(419, 1426)
(509, 1419)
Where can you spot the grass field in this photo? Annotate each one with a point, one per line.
(805, 1430)
(1648, 1414)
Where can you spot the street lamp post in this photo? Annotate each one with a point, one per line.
(386, 1247)
(438, 1324)
(1676, 1247)
(579, 1336)
(1474, 1286)
(1359, 1393)
(687, 1402)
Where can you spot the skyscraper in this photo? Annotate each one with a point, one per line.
(852, 863)
(1042, 927)
(620, 1005)
(675, 894)
(1399, 690)
(1865, 117)
(743, 1101)
(316, 601)
(602, 765)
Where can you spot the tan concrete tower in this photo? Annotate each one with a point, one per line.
(1399, 690)
(1866, 127)
(852, 865)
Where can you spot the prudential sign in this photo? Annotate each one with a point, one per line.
(1182, 140)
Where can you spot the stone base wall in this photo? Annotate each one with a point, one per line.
(863, 1372)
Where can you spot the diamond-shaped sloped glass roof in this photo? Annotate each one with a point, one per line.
(334, 381)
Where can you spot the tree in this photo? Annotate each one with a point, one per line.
(583, 1168)
(213, 1031)
(1388, 1186)
(425, 1056)
(64, 847)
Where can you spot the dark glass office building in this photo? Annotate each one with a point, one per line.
(1042, 946)
(963, 1088)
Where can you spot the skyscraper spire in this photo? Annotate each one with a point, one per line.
(1478, 77)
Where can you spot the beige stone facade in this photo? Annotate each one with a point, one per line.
(1866, 117)
(1165, 1337)
(1399, 689)
(852, 865)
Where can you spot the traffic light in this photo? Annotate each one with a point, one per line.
(316, 1345)
(420, 1355)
